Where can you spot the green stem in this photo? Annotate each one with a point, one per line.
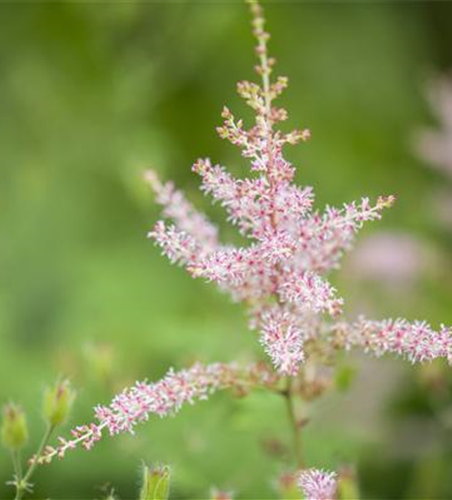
(17, 466)
(22, 485)
(294, 424)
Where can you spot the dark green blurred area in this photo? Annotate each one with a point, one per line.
(90, 96)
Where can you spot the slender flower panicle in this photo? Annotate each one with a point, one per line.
(163, 398)
(282, 273)
(416, 341)
(318, 484)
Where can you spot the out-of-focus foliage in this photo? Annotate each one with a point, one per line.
(91, 95)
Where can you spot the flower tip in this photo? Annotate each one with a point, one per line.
(306, 135)
(386, 201)
(151, 177)
(226, 113)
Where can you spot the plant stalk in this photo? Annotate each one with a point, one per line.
(294, 424)
(23, 483)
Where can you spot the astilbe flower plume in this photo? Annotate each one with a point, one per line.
(281, 275)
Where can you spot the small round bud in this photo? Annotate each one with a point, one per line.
(58, 402)
(14, 430)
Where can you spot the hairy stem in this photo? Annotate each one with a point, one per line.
(23, 483)
(17, 465)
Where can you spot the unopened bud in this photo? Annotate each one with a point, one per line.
(287, 487)
(58, 402)
(226, 113)
(347, 484)
(386, 201)
(14, 430)
(100, 358)
(156, 483)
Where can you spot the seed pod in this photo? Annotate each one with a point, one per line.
(58, 402)
(156, 483)
(14, 430)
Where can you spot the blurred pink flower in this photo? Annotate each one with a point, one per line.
(391, 258)
(318, 484)
(435, 144)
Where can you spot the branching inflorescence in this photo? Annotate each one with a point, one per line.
(280, 275)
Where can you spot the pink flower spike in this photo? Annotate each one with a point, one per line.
(282, 341)
(318, 484)
(416, 341)
(162, 398)
(182, 212)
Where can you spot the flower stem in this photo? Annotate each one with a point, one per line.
(294, 424)
(16, 464)
(23, 483)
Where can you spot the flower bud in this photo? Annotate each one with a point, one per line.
(14, 430)
(220, 495)
(58, 402)
(101, 358)
(347, 484)
(156, 483)
(287, 487)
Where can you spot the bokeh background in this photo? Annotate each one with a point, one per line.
(91, 94)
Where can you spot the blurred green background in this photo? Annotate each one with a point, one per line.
(91, 94)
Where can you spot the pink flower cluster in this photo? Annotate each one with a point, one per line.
(318, 484)
(416, 341)
(163, 398)
(434, 145)
(281, 274)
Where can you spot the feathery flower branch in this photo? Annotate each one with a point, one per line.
(163, 398)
